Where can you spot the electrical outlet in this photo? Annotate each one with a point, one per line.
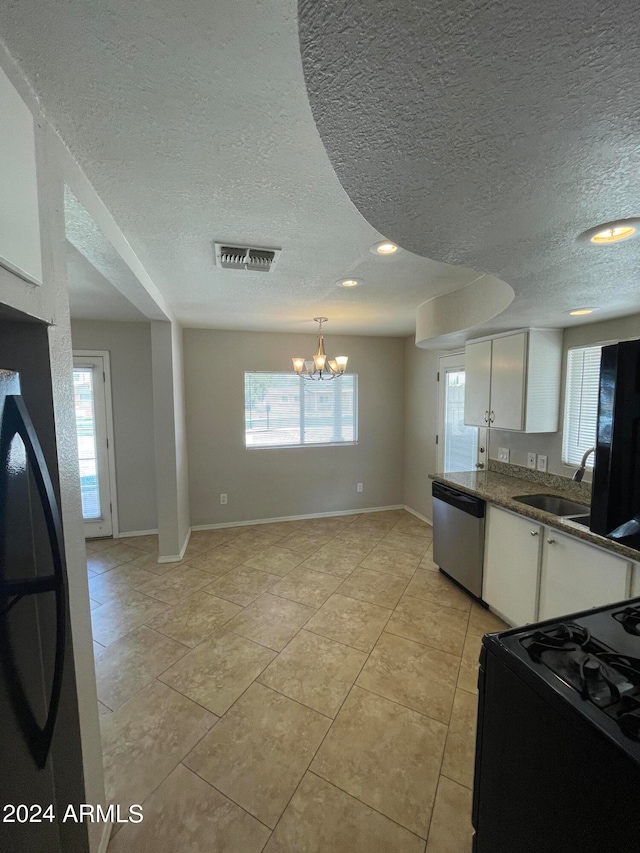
(359, 487)
(531, 460)
(503, 454)
(223, 499)
(542, 462)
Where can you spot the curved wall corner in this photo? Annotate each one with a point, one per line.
(462, 309)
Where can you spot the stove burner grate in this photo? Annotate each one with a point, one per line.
(629, 618)
(607, 679)
(565, 637)
(628, 716)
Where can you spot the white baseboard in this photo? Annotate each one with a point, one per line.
(296, 517)
(424, 518)
(129, 533)
(175, 558)
(106, 836)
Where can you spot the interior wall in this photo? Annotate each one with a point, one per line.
(550, 444)
(420, 425)
(273, 483)
(129, 345)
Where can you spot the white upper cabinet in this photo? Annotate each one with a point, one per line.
(19, 220)
(508, 382)
(513, 381)
(477, 383)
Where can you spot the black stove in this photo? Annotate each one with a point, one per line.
(607, 679)
(558, 745)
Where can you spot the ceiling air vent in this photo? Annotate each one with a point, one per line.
(245, 258)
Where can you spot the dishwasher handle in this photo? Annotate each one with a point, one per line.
(466, 503)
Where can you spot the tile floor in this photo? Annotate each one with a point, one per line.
(297, 686)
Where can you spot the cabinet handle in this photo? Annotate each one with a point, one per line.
(479, 464)
(486, 416)
(534, 532)
(492, 417)
(551, 541)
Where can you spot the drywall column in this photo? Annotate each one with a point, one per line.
(172, 473)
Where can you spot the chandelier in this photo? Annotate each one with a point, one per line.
(320, 367)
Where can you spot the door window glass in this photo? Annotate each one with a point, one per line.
(87, 448)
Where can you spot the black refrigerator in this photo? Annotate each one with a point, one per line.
(615, 501)
(41, 769)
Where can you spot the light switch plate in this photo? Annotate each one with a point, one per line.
(542, 462)
(503, 454)
(531, 460)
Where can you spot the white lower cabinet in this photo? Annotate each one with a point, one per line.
(635, 580)
(512, 565)
(532, 572)
(577, 576)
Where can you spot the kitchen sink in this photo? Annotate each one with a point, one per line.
(554, 504)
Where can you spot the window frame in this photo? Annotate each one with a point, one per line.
(301, 408)
(572, 463)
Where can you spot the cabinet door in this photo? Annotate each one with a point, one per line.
(477, 384)
(511, 566)
(19, 218)
(508, 365)
(576, 576)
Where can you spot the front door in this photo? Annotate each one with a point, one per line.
(89, 381)
(460, 447)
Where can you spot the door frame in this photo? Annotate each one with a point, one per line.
(459, 357)
(111, 458)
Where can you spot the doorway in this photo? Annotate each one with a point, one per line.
(460, 447)
(94, 427)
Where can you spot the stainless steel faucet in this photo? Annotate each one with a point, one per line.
(577, 477)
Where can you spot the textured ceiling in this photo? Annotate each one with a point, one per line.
(92, 296)
(489, 135)
(192, 121)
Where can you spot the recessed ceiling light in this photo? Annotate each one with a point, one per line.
(611, 232)
(580, 312)
(613, 235)
(386, 247)
(349, 282)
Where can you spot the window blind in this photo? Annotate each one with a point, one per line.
(285, 410)
(581, 403)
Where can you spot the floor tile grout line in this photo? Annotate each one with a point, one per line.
(367, 805)
(422, 643)
(307, 770)
(256, 680)
(215, 714)
(362, 802)
(402, 704)
(227, 797)
(276, 654)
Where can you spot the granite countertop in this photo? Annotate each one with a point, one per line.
(500, 489)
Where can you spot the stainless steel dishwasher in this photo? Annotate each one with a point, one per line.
(458, 536)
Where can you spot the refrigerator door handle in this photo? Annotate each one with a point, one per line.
(16, 421)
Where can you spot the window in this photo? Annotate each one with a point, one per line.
(581, 403)
(284, 410)
(460, 441)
